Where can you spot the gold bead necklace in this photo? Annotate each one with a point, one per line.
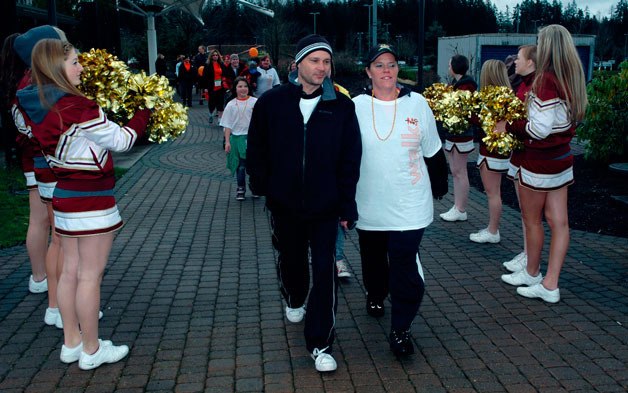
(394, 116)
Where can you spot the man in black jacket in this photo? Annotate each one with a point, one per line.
(303, 154)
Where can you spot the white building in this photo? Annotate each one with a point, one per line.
(481, 47)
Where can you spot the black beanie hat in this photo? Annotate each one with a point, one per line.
(309, 44)
(25, 43)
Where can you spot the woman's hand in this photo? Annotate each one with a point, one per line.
(500, 127)
(227, 147)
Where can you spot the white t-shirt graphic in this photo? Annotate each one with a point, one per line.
(394, 191)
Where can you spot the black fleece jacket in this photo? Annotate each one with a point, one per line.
(308, 170)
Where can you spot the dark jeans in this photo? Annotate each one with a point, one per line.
(216, 100)
(241, 173)
(186, 93)
(292, 238)
(389, 264)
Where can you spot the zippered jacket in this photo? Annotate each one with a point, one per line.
(305, 170)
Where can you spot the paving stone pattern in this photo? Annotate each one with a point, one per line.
(191, 288)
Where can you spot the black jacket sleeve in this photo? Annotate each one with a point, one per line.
(349, 171)
(257, 150)
(437, 170)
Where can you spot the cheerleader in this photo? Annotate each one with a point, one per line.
(76, 139)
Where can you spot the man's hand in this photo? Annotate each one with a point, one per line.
(346, 225)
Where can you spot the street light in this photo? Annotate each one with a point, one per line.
(360, 34)
(419, 70)
(368, 30)
(535, 22)
(314, 15)
(387, 32)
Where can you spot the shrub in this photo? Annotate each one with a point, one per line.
(605, 126)
(13, 207)
(345, 64)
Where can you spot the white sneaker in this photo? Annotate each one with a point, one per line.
(454, 215)
(517, 263)
(51, 316)
(342, 270)
(37, 286)
(323, 361)
(484, 236)
(539, 291)
(521, 278)
(71, 355)
(59, 322)
(295, 315)
(107, 353)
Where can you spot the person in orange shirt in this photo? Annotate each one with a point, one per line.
(212, 76)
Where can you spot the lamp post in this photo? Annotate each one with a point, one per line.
(419, 71)
(360, 34)
(535, 22)
(368, 29)
(387, 32)
(374, 26)
(314, 15)
(52, 12)
(398, 37)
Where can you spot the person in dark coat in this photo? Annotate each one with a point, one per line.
(160, 65)
(187, 78)
(303, 154)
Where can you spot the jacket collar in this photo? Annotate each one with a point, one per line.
(403, 90)
(329, 93)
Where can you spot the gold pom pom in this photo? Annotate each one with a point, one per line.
(499, 103)
(120, 93)
(452, 108)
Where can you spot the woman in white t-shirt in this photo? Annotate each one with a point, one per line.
(235, 120)
(394, 193)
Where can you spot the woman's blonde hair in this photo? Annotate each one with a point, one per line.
(494, 73)
(48, 67)
(557, 53)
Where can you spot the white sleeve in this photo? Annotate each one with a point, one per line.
(547, 117)
(229, 115)
(106, 134)
(276, 80)
(20, 123)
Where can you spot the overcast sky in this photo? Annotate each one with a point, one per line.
(602, 7)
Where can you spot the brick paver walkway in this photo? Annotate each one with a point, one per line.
(191, 288)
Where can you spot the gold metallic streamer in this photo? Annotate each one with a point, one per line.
(499, 103)
(121, 93)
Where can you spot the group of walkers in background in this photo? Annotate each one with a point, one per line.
(325, 163)
(213, 76)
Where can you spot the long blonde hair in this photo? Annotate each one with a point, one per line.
(48, 67)
(494, 73)
(557, 53)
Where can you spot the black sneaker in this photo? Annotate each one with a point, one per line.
(375, 308)
(240, 194)
(401, 343)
